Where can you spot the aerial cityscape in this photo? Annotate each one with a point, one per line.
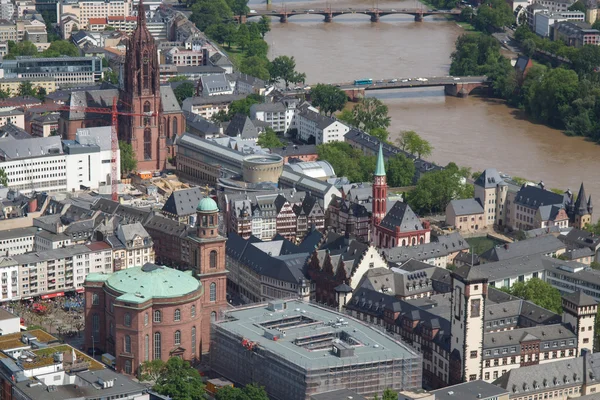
(340, 200)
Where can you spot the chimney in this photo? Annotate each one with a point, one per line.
(32, 205)
(585, 354)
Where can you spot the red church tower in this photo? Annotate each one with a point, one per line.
(379, 190)
(141, 92)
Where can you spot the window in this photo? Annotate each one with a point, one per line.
(213, 292)
(146, 71)
(175, 127)
(147, 107)
(147, 144)
(473, 377)
(95, 299)
(147, 348)
(146, 319)
(213, 316)
(127, 319)
(127, 344)
(95, 326)
(156, 346)
(474, 354)
(177, 338)
(213, 259)
(475, 308)
(193, 311)
(157, 317)
(193, 340)
(128, 367)
(177, 315)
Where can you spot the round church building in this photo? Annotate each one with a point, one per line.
(143, 313)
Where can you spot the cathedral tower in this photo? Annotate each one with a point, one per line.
(141, 95)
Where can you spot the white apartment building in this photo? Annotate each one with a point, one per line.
(7, 9)
(9, 278)
(85, 10)
(316, 128)
(544, 20)
(46, 240)
(184, 57)
(279, 115)
(17, 241)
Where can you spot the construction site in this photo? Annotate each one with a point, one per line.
(297, 349)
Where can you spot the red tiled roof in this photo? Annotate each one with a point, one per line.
(95, 246)
(97, 21)
(120, 18)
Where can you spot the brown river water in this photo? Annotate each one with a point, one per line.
(476, 132)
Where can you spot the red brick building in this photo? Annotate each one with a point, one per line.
(150, 312)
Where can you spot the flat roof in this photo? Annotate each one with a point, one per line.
(371, 345)
(4, 315)
(18, 233)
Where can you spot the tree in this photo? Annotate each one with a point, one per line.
(420, 147)
(242, 36)
(284, 68)
(269, 139)
(61, 48)
(578, 6)
(346, 116)
(179, 380)
(26, 89)
(256, 66)
(405, 138)
(258, 48)
(436, 189)
(24, 48)
(596, 24)
(4, 94)
(400, 171)
(327, 98)
(249, 392)
(493, 15)
(242, 106)
(370, 113)
(110, 77)
(238, 7)
(183, 91)
(528, 46)
(389, 394)
(380, 133)
(550, 99)
(264, 25)
(539, 292)
(347, 161)
(466, 14)
(41, 93)
(208, 12)
(220, 116)
(178, 78)
(3, 177)
(128, 159)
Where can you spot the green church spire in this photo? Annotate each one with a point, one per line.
(380, 169)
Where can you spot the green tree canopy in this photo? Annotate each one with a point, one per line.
(400, 171)
(208, 12)
(370, 113)
(151, 370)
(436, 189)
(539, 292)
(249, 392)
(348, 161)
(24, 48)
(578, 6)
(257, 48)
(414, 144)
(328, 98)
(389, 394)
(269, 139)
(493, 15)
(380, 133)
(4, 94)
(284, 68)
(179, 380)
(264, 25)
(61, 48)
(27, 89)
(256, 66)
(3, 177)
(128, 159)
(183, 91)
(242, 106)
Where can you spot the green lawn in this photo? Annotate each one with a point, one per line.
(480, 245)
(236, 55)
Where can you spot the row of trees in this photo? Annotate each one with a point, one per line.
(25, 89)
(26, 48)
(351, 163)
(491, 16)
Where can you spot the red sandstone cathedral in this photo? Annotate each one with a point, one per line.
(159, 118)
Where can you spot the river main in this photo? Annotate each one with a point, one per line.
(475, 132)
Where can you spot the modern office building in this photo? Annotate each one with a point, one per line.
(65, 70)
(297, 349)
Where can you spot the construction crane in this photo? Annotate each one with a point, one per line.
(114, 137)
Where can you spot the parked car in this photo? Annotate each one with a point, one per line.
(394, 80)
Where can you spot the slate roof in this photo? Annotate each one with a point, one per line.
(215, 83)
(241, 126)
(321, 120)
(101, 136)
(183, 202)
(473, 390)
(166, 225)
(12, 131)
(544, 333)
(15, 149)
(538, 245)
(489, 178)
(468, 273)
(196, 123)
(168, 101)
(287, 266)
(466, 207)
(580, 299)
(535, 197)
(581, 238)
(402, 216)
(130, 231)
(269, 107)
(443, 246)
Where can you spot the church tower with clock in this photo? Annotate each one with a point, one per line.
(141, 95)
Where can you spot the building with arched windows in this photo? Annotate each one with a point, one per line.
(145, 313)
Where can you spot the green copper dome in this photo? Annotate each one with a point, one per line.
(207, 205)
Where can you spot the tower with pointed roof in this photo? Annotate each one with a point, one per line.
(580, 213)
(379, 190)
(141, 94)
(579, 310)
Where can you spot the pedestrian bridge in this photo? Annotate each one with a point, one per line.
(329, 14)
(458, 86)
